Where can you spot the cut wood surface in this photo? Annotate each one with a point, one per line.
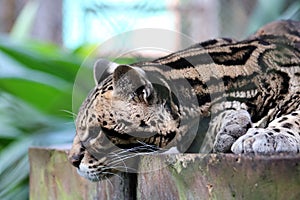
(173, 176)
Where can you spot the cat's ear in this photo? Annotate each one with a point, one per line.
(131, 83)
(102, 69)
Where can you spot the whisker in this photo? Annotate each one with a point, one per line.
(68, 123)
(69, 112)
(122, 156)
(120, 151)
(122, 160)
(109, 181)
(126, 153)
(125, 157)
(144, 147)
(117, 175)
(117, 167)
(119, 156)
(133, 150)
(148, 145)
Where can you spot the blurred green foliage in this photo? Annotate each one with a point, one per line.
(36, 83)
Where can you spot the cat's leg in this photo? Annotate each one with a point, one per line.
(281, 136)
(233, 124)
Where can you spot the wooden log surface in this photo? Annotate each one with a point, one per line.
(53, 177)
(172, 176)
(222, 176)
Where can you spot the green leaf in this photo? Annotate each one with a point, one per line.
(43, 97)
(86, 50)
(64, 67)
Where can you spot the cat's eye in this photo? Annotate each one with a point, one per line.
(142, 94)
(146, 93)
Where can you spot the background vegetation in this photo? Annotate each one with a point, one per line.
(36, 84)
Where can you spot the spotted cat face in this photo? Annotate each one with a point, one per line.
(125, 114)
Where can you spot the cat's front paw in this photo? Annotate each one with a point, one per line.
(265, 141)
(281, 136)
(235, 124)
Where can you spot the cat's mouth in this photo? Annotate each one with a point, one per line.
(131, 140)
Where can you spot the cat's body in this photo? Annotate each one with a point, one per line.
(219, 95)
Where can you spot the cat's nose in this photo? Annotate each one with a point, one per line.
(76, 153)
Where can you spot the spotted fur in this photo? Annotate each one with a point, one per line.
(217, 96)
